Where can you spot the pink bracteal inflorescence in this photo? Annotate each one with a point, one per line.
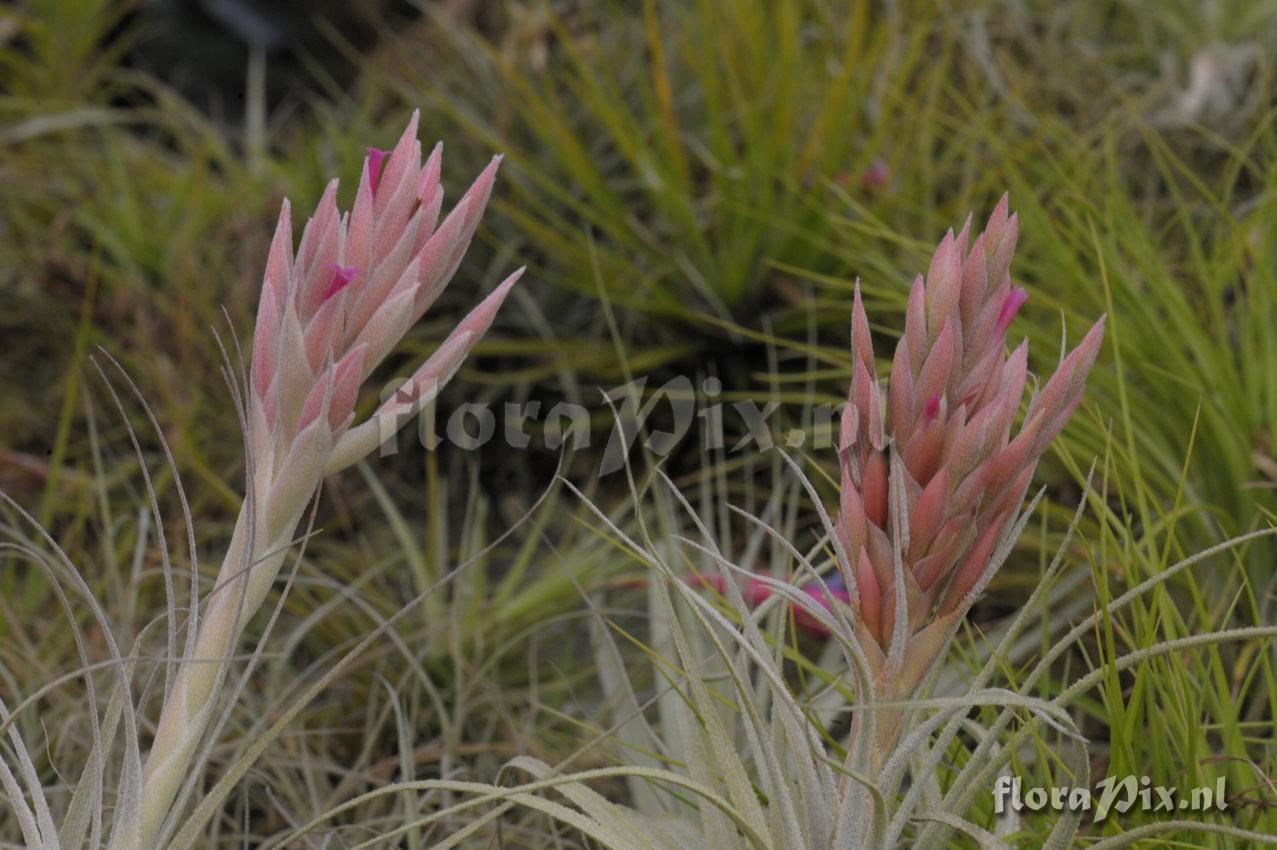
(333, 309)
(330, 311)
(931, 480)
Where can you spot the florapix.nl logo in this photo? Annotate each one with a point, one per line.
(1112, 794)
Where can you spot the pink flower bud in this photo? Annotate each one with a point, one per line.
(929, 513)
(317, 401)
(939, 365)
(1010, 306)
(348, 374)
(266, 342)
(944, 284)
(375, 158)
(901, 392)
(915, 336)
(924, 449)
(852, 522)
(864, 399)
(861, 338)
(974, 564)
(931, 409)
(869, 593)
(342, 276)
(875, 489)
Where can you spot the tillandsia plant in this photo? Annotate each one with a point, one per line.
(930, 491)
(329, 313)
(933, 479)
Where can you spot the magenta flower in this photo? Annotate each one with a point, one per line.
(755, 592)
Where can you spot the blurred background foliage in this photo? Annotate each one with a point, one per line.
(696, 186)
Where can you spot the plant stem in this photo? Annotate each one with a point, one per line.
(238, 594)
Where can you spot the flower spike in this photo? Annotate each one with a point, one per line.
(953, 395)
(329, 313)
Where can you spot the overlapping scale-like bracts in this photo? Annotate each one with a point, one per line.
(952, 400)
(332, 310)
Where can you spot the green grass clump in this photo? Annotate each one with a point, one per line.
(672, 154)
